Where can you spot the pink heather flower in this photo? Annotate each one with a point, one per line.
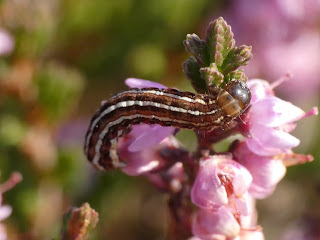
(219, 178)
(215, 224)
(266, 171)
(145, 159)
(270, 120)
(6, 43)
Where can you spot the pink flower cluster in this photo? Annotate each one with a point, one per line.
(226, 185)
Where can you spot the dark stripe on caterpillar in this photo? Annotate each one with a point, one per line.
(167, 107)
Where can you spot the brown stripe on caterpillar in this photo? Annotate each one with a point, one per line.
(167, 107)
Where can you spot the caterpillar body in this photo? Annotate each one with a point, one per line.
(167, 107)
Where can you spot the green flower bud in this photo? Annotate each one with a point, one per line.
(238, 75)
(79, 222)
(212, 75)
(219, 41)
(240, 56)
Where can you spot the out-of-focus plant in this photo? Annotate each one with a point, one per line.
(78, 223)
(6, 210)
(37, 94)
(288, 41)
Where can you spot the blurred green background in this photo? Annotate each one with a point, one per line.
(69, 55)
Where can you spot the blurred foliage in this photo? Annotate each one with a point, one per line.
(68, 56)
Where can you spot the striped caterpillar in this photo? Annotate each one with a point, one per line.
(167, 107)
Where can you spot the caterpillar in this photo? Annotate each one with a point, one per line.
(167, 107)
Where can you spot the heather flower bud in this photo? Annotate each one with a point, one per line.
(236, 58)
(79, 222)
(219, 41)
(212, 75)
(191, 69)
(218, 178)
(238, 75)
(197, 47)
(215, 224)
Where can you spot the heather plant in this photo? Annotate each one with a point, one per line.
(211, 194)
(58, 58)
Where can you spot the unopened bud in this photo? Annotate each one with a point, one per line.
(240, 56)
(79, 222)
(212, 75)
(196, 47)
(219, 41)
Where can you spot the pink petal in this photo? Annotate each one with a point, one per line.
(251, 235)
(268, 141)
(257, 148)
(266, 171)
(289, 127)
(249, 220)
(5, 212)
(141, 162)
(140, 83)
(207, 190)
(241, 179)
(214, 224)
(243, 204)
(138, 162)
(6, 43)
(261, 192)
(260, 89)
(274, 112)
(148, 136)
(146, 160)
